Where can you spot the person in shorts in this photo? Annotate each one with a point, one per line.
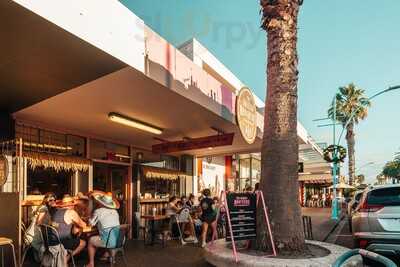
(208, 216)
(105, 217)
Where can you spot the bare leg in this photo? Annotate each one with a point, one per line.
(92, 253)
(204, 228)
(192, 230)
(214, 230)
(82, 244)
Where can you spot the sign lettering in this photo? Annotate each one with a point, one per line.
(246, 115)
(195, 143)
(243, 213)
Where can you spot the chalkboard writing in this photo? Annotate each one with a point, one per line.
(243, 216)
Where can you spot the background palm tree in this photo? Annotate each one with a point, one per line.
(392, 170)
(279, 152)
(349, 100)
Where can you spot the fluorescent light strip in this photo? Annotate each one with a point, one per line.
(115, 117)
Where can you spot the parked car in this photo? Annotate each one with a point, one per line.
(352, 205)
(376, 221)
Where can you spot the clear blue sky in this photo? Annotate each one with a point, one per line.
(339, 42)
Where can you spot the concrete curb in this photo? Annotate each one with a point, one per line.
(334, 227)
(219, 255)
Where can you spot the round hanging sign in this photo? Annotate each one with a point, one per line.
(3, 170)
(246, 115)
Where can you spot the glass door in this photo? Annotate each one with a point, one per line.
(112, 178)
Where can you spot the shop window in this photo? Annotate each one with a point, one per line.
(171, 162)
(255, 171)
(108, 151)
(249, 172)
(245, 174)
(45, 141)
(42, 180)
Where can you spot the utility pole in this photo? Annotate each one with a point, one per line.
(335, 158)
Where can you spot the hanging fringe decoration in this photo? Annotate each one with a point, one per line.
(59, 163)
(163, 174)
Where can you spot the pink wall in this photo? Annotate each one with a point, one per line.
(170, 67)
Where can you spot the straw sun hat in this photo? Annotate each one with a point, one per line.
(67, 201)
(106, 199)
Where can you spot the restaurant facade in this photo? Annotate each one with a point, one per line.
(115, 107)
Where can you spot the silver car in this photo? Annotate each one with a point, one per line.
(352, 205)
(376, 221)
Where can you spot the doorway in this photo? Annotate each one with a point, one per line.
(112, 178)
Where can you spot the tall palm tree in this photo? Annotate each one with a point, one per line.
(350, 101)
(279, 152)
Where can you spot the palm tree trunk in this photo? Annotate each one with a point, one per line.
(279, 170)
(350, 148)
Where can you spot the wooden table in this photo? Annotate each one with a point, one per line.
(89, 229)
(151, 219)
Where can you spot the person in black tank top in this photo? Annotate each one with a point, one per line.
(64, 219)
(208, 216)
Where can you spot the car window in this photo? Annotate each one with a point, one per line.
(358, 196)
(385, 197)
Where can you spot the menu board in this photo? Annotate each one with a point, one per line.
(243, 216)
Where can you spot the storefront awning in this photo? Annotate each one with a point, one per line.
(322, 178)
(160, 173)
(56, 162)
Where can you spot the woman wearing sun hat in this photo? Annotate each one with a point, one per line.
(105, 217)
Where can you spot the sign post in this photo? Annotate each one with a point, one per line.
(241, 212)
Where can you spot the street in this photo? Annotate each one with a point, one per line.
(328, 230)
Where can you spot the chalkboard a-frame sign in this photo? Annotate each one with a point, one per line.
(243, 216)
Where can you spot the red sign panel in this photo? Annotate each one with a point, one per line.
(196, 143)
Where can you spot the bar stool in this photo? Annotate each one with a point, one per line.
(7, 242)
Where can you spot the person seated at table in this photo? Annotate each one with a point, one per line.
(82, 206)
(183, 216)
(105, 217)
(64, 219)
(172, 207)
(184, 201)
(190, 201)
(208, 216)
(40, 216)
(47, 208)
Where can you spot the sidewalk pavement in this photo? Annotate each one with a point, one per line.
(322, 223)
(176, 255)
(139, 255)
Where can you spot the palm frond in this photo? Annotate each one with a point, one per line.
(350, 99)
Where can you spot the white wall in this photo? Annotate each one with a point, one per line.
(106, 24)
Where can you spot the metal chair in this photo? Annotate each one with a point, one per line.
(7, 242)
(26, 242)
(52, 233)
(182, 217)
(141, 227)
(121, 231)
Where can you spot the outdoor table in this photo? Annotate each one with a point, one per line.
(151, 219)
(89, 229)
(88, 232)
